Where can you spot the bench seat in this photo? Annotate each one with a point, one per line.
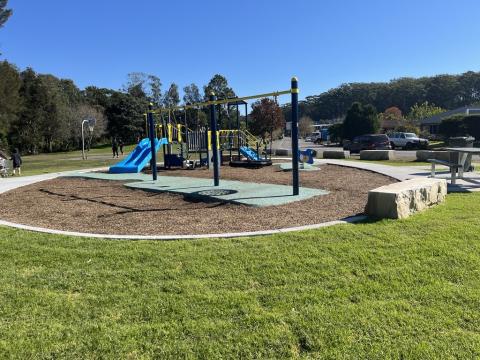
(451, 165)
(400, 200)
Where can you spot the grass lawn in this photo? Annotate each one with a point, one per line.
(389, 289)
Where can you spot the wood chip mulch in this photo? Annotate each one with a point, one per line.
(108, 207)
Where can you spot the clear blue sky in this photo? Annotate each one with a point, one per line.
(257, 44)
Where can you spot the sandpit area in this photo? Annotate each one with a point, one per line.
(108, 207)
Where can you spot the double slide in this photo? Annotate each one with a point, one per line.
(138, 158)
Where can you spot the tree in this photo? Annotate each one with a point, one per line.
(155, 93)
(125, 116)
(10, 101)
(171, 98)
(4, 12)
(191, 94)
(196, 118)
(452, 126)
(266, 117)
(136, 84)
(25, 132)
(219, 85)
(422, 111)
(305, 126)
(74, 120)
(335, 132)
(461, 125)
(391, 118)
(360, 120)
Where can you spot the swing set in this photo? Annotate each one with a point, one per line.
(212, 141)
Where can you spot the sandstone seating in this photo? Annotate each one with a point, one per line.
(282, 152)
(400, 200)
(424, 155)
(377, 155)
(336, 154)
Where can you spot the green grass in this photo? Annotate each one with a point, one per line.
(406, 289)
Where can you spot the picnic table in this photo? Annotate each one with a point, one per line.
(461, 162)
(464, 157)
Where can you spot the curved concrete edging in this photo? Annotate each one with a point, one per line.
(349, 220)
(22, 181)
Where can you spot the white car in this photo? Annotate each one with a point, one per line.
(407, 141)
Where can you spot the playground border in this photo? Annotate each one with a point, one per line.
(348, 220)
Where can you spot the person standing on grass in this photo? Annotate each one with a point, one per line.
(17, 162)
(115, 148)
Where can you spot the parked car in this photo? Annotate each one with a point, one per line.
(407, 141)
(368, 142)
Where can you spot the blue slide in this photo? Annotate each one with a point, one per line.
(249, 153)
(138, 158)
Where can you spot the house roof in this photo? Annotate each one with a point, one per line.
(437, 119)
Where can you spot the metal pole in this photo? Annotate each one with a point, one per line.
(83, 141)
(295, 136)
(238, 133)
(213, 131)
(151, 125)
(246, 117)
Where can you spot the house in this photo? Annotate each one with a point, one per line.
(432, 123)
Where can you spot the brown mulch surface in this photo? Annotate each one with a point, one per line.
(99, 206)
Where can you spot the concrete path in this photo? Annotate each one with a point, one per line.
(14, 182)
(471, 182)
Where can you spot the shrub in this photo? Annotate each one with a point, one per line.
(453, 126)
(461, 125)
(336, 132)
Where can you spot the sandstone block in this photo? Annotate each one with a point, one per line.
(377, 155)
(400, 200)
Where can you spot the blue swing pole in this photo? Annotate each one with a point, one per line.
(295, 157)
(213, 134)
(151, 133)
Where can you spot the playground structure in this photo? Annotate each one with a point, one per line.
(210, 141)
(234, 142)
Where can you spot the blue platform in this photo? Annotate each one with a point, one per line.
(138, 158)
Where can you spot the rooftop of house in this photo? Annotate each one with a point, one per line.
(437, 119)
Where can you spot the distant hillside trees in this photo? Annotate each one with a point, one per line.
(442, 91)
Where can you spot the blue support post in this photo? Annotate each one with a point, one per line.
(295, 158)
(151, 126)
(213, 132)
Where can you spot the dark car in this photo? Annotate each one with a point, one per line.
(368, 142)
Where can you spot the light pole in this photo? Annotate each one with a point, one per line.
(83, 140)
